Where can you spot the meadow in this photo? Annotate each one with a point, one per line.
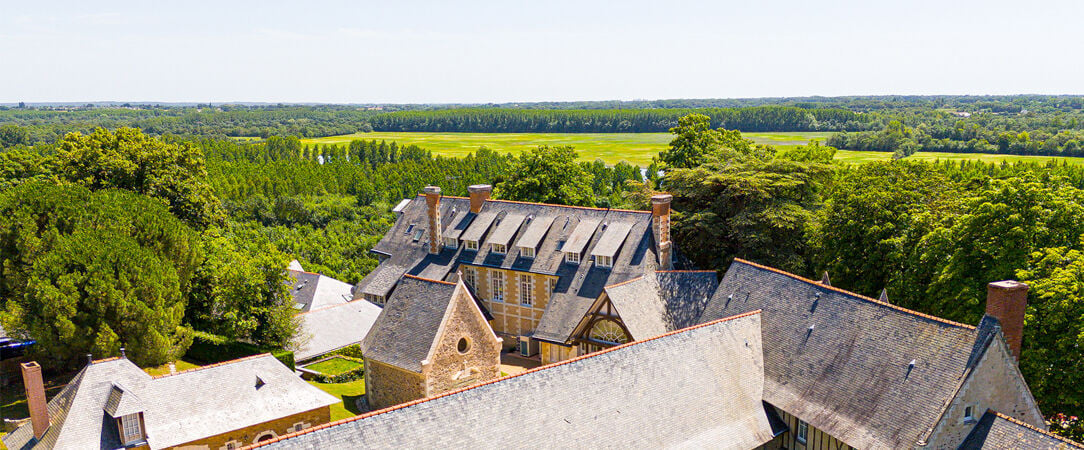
(636, 148)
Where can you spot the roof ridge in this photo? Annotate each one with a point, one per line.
(331, 306)
(859, 296)
(684, 271)
(407, 275)
(211, 366)
(112, 358)
(630, 280)
(485, 383)
(1035, 428)
(592, 208)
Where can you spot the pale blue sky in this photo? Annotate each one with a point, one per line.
(460, 51)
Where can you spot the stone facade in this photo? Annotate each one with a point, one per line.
(511, 318)
(387, 385)
(453, 365)
(995, 383)
(261, 432)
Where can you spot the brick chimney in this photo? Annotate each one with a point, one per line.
(432, 200)
(1006, 302)
(35, 398)
(660, 225)
(479, 193)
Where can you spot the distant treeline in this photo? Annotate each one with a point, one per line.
(500, 120)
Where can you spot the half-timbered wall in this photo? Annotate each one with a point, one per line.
(815, 439)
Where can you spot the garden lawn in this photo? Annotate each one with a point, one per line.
(334, 366)
(347, 392)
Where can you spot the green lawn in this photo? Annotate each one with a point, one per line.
(636, 148)
(334, 366)
(348, 392)
(164, 368)
(13, 396)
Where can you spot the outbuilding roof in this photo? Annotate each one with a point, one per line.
(333, 327)
(996, 431)
(408, 325)
(611, 399)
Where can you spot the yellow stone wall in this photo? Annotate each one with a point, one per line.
(510, 317)
(552, 353)
(387, 385)
(451, 369)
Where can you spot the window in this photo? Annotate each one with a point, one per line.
(470, 245)
(603, 261)
(374, 298)
(410, 228)
(463, 346)
(526, 252)
(418, 234)
(573, 258)
(451, 242)
(526, 290)
(131, 430)
(803, 431)
(551, 284)
(470, 276)
(500, 248)
(969, 414)
(232, 445)
(497, 291)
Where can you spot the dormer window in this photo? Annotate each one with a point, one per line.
(604, 261)
(470, 245)
(526, 252)
(499, 248)
(572, 258)
(451, 242)
(131, 428)
(969, 414)
(418, 234)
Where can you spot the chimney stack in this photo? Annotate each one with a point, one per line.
(35, 398)
(432, 199)
(479, 193)
(660, 225)
(1006, 302)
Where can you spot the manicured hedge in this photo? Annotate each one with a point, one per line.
(208, 348)
(349, 375)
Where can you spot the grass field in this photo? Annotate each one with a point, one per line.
(348, 392)
(636, 148)
(334, 366)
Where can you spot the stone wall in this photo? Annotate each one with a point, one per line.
(251, 435)
(995, 383)
(552, 353)
(451, 369)
(510, 316)
(386, 385)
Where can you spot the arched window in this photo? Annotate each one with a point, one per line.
(608, 331)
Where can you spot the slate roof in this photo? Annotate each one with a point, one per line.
(662, 301)
(545, 227)
(996, 431)
(840, 361)
(313, 291)
(408, 325)
(177, 408)
(699, 387)
(333, 327)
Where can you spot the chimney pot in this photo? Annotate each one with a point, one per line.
(1006, 301)
(122, 355)
(35, 398)
(660, 224)
(479, 193)
(432, 200)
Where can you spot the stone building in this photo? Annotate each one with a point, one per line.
(112, 403)
(536, 268)
(831, 370)
(430, 338)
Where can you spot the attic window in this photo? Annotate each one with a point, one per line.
(499, 248)
(451, 242)
(259, 382)
(299, 306)
(131, 428)
(463, 345)
(526, 252)
(603, 261)
(418, 234)
(410, 228)
(573, 258)
(803, 431)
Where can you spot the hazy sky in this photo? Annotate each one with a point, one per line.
(501, 51)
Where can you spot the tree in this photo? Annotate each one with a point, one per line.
(694, 141)
(748, 205)
(128, 159)
(242, 291)
(90, 272)
(12, 135)
(1052, 359)
(548, 175)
